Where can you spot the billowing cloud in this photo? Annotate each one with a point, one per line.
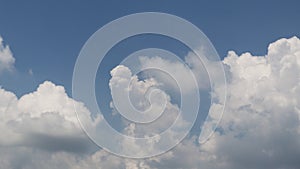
(6, 57)
(145, 98)
(138, 92)
(260, 128)
(43, 119)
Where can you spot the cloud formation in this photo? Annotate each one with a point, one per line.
(6, 57)
(260, 128)
(43, 119)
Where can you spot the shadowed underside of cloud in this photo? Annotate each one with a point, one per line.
(260, 128)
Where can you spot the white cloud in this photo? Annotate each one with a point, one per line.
(133, 93)
(6, 57)
(260, 124)
(39, 118)
(172, 73)
(123, 83)
(260, 127)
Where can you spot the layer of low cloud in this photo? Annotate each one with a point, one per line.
(260, 128)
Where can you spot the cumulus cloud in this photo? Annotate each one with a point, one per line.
(43, 119)
(171, 73)
(260, 128)
(6, 57)
(260, 124)
(134, 93)
(145, 98)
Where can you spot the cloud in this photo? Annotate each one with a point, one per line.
(172, 72)
(6, 57)
(260, 127)
(43, 119)
(124, 84)
(145, 99)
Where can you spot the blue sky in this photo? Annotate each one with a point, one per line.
(259, 126)
(47, 36)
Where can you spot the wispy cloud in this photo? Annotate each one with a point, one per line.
(6, 57)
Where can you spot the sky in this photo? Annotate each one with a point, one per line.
(52, 33)
(259, 48)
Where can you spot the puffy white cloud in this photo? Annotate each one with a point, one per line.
(6, 57)
(260, 124)
(150, 101)
(130, 95)
(260, 128)
(43, 119)
(174, 72)
(136, 92)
